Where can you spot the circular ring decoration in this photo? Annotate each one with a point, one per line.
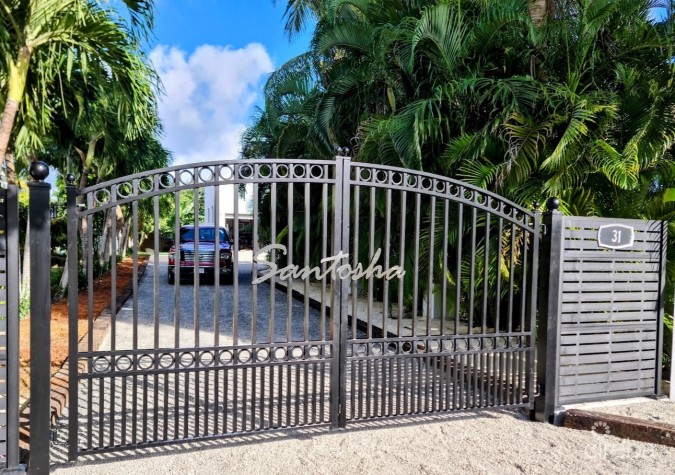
(101, 364)
(124, 190)
(146, 362)
(481, 199)
(225, 357)
(426, 183)
(501, 343)
(314, 352)
(361, 349)
(146, 184)
(124, 363)
(434, 346)
(381, 176)
(461, 344)
(392, 348)
(297, 352)
(186, 359)
(299, 171)
(102, 196)
(280, 354)
(166, 180)
(206, 174)
(166, 361)
(411, 181)
(262, 355)
(186, 177)
(440, 186)
(316, 171)
(365, 174)
(376, 349)
(226, 172)
(494, 204)
(468, 194)
(245, 171)
(396, 178)
(264, 171)
(206, 358)
(474, 343)
(514, 342)
(406, 347)
(448, 345)
(488, 343)
(281, 170)
(454, 190)
(244, 356)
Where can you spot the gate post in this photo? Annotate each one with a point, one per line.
(341, 290)
(73, 260)
(40, 319)
(548, 330)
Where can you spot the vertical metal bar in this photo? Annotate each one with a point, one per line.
(498, 288)
(307, 237)
(195, 268)
(113, 310)
(217, 249)
(289, 249)
(155, 423)
(40, 322)
(371, 278)
(401, 262)
(355, 256)
(90, 316)
(486, 268)
(416, 264)
(272, 256)
(472, 275)
(235, 270)
(430, 283)
(444, 288)
(134, 307)
(176, 306)
(73, 264)
(254, 269)
(512, 259)
(324, 250)
(387, 251)
(458, 279)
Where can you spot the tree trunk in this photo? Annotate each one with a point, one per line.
(63, 284)
(538, 11)
(16, 85)
(87, 160)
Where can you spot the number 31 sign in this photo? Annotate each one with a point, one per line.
(616, 236)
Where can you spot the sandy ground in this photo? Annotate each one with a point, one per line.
(656, 411)
(480, 442)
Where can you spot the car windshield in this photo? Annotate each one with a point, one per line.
(205, 234)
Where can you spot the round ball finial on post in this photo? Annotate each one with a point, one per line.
(342, 151)
(536, 205)
(553, 204)
(70, 179)
(39, 171)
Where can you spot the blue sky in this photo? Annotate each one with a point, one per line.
(213, 57)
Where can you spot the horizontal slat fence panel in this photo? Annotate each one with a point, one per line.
(610, 310)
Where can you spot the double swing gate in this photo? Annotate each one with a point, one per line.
(356, 291)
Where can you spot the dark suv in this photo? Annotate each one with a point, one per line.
(208, 255)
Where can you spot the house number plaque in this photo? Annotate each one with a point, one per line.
(616, 236)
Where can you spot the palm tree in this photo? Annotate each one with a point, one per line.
(39, 36)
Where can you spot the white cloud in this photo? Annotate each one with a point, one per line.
(208, 98)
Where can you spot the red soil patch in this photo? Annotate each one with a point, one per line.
(59, 330)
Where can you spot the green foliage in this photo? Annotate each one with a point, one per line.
(668, 346)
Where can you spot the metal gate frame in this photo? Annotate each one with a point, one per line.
(446, 360)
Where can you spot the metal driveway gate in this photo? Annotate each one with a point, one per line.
(356, 291)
